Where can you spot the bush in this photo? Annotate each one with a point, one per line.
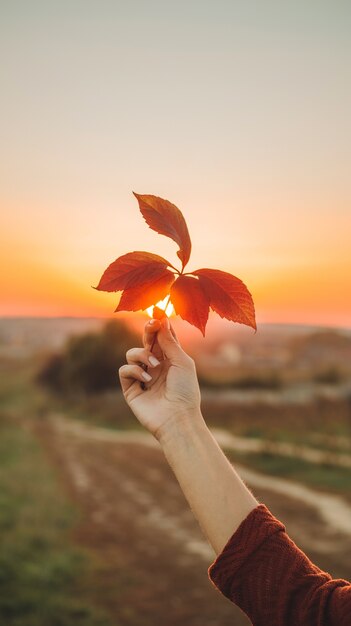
(329, 376)
(89, 362)
(268, 380)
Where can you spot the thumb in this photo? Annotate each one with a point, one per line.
(169, 344)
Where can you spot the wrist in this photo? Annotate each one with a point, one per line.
(175, 431)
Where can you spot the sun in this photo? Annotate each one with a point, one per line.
(162, 304)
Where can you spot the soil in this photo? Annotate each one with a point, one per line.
(151, 557)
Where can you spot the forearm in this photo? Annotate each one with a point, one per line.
(216, 494)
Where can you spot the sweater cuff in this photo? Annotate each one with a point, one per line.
(252, 532)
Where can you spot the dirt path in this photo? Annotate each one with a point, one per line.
(298, 451)
(333, 509)
(153, 558)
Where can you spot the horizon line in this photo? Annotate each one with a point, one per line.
(106, 317)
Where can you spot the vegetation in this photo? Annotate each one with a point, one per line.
(41, 574)
(253, 380)
(47, 577)
(89, 362)
(324, 477)
(329, 376)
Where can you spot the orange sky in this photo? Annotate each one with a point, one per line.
(244, 126)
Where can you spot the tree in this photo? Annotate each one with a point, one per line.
(89, 362)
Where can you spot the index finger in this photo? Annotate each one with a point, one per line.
(150, 328)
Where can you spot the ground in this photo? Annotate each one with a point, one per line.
(152, 557)
(95, 530)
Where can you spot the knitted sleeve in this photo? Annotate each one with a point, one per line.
(262, 571)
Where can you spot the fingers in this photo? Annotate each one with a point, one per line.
(161, 336)
(167, 340)
(169, 344)
(151, 327)
(174, 333)
(141, 355)
(128, 374)
(137, 361)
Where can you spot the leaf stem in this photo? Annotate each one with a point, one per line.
(167, 303)
(174, 268)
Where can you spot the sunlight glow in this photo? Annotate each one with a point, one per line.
(162, 304)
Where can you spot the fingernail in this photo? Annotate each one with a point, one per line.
(152, 321)
(153, 361)
(167, 324)
(146, 376)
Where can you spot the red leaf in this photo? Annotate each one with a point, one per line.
(190, 301)
(144, 278)
(132, 270)
(140, 298)
(166, 219)
(228, 296)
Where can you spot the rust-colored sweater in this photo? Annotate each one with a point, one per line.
(262, 571)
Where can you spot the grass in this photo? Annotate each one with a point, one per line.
(108, 409)
(19, 395)
(338, 442)
(325, 425)
(320, 477)
(42, 575)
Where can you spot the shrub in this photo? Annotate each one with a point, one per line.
(89, 362)
(329, 376)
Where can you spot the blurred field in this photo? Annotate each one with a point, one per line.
(45, 578)
(95, 530)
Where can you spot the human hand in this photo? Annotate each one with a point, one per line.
(172, 395)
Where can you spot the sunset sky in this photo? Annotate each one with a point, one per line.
(236, 111)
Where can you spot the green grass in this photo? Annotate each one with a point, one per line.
(41, 573)
(18, 394)
(298, 425)
(306, 438)
(321, 477)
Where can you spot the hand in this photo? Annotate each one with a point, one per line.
(172, 395)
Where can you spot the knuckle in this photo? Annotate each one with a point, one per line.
(130, 352)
